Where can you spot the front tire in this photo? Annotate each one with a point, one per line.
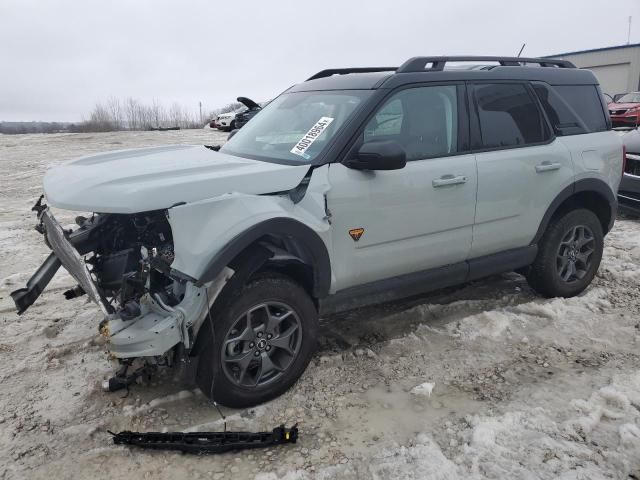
(264, 338)
(569, 255)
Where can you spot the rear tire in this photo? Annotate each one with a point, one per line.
(569, 255)
(265, 336)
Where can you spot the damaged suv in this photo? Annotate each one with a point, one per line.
(355, 187)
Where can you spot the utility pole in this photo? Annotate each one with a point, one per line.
(629, 31)
(200, 105)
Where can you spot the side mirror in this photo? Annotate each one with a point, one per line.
(388, 155)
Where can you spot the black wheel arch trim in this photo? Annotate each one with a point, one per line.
(311, 248)
(585, 185)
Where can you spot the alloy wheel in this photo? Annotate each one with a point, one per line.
(262, 344)
(575, 252)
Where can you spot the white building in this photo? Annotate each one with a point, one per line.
(617, 68)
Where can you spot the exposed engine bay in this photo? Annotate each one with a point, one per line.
(130, 256)
(124, 256)
(123, 263)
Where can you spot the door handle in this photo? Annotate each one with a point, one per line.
(547, 167)
(449, 180)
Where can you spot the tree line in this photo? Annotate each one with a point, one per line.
(130, 114)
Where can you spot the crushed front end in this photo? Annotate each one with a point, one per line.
(122, 262)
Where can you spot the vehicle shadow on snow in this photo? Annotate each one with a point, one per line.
(368, 326)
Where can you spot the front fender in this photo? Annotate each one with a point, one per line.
(208, 234)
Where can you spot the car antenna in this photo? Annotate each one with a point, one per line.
(521, 49)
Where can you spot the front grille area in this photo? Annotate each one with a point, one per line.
(617, 112)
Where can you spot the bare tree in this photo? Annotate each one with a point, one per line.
(115, 110)
(132, 111)
(135, 115)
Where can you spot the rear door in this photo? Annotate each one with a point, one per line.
(391, 223)
(522, 167)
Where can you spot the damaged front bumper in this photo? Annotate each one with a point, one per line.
(153, 330)
(153, 333)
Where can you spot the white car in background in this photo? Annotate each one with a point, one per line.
(227, 121)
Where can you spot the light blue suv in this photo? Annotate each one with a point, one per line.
(356, 186)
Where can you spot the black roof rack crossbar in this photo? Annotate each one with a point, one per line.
(345, 71)
(419, 64)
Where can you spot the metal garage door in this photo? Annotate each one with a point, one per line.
(613, 78)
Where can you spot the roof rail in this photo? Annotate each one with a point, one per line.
(345, 71)
(419, 64)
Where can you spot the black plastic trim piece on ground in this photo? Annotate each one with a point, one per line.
(207, 442)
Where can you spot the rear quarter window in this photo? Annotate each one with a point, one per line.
(563, 118)
(585, 101)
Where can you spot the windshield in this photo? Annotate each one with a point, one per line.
(630, 98)
(295, 127)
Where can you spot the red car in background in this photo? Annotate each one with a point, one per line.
(625, 112)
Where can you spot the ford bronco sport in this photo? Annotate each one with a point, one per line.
(357, 186)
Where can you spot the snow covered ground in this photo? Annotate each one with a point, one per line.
(482, 381)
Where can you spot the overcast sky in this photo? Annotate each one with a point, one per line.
(58, 58)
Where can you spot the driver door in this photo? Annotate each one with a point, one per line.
(390, 223)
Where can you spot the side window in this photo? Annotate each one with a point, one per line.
(585, 101)
(508, 116)
(563, 118)
(424, 120)
(388, 121)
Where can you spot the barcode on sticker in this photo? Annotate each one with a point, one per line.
(311, 136)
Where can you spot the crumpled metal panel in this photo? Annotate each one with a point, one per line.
(70, 258)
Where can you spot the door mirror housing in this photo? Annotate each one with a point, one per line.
(387, 155)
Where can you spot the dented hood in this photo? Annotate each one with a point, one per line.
(131, 181)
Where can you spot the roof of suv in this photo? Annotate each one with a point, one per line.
(435, 69)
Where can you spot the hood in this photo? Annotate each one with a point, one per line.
(131, 181)
(622, 106)
(247, 102)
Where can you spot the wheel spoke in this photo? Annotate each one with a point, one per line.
(570, 271)
(283, 341)
(243, 361)
(583, 258)
(584, 241)
(245, 335)
(266, 367)
(275, 320)
(569, 237)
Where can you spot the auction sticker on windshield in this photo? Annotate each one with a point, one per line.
(311, 136)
